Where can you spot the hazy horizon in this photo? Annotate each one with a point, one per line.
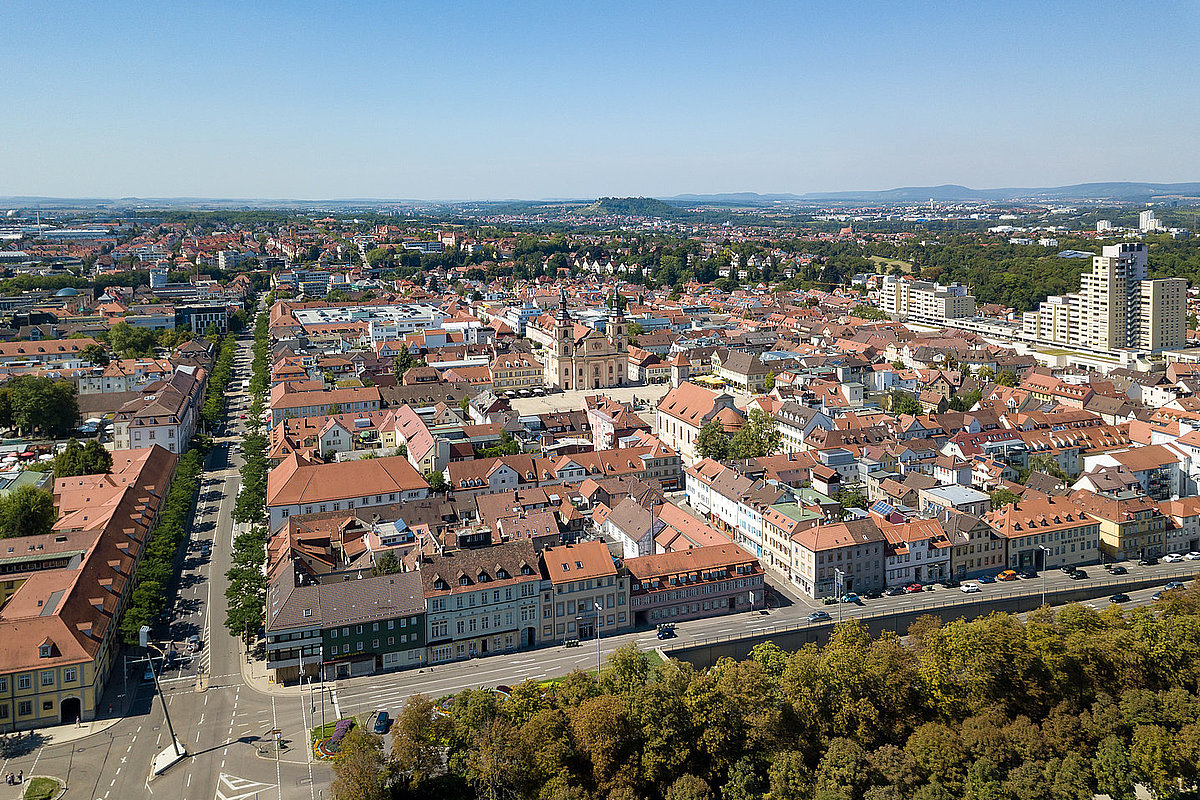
(538, 100)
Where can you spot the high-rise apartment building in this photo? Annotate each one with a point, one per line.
(1147, 222)
(924, 301)
(1116, 307)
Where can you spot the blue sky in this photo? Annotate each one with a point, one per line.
(530, 100)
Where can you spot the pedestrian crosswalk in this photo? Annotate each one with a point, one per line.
(231, 787)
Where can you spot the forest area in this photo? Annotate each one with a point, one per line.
(1064, 704)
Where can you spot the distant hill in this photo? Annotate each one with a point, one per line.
(628, 207)
(1117, 191)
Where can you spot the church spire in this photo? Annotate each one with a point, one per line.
(562, 304)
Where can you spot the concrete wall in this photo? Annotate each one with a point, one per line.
(947, 605)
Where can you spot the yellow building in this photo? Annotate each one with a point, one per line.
(59, 626)
(515, 371)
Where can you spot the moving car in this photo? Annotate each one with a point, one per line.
(819, 616)
(1174, 585)
(1172, 558)
(1147, 562)
(1078, 575)
(1158, 595)
(850, 597)
(666, 631)
(1119, 571)
(969, 588)
(1119, 598)
(382, 722)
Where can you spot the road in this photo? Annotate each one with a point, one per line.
(222, 721)
(389, 692)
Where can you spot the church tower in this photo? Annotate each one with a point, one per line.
(564, 340)
(616, 322)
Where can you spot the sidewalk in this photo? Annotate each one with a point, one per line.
(254, 673)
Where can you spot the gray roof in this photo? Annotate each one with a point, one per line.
(330, 604)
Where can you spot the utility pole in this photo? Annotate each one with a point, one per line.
(596, 603)
(144, 640)
(1045, 552)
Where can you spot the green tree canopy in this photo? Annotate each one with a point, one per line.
(76, 459)
(37, 405)
(26, 511)
(712, 441)
(757, 438)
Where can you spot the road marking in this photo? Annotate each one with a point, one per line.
(231, 787)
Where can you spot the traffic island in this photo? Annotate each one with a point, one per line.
(168, 758)
(41, 787)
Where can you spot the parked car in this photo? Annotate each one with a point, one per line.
(969, 588)
(1172, 558)
(914, 588)
(382, 722)
(1078, 575)
(819, 616)
(1149, 561)
(148, 675)
(829, 601)
(1193, 556)
(193, 643)
(986, 579)
(850, 597)
(1119, 598)
(1007, 575)
(950, 583)
(874, 594)
(1119, 571)
(1027, 574)
(893, 591)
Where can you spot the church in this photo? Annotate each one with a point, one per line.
(583, 357)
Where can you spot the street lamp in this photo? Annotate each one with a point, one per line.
(839, 583)
(1045, 554)
(579, 619)
(144, 641)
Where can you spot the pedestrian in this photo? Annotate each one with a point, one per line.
(76, 721)
(8, 779)
(110, 708)
(20, 776)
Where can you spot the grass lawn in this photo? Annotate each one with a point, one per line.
(888, 263)
(41, 789)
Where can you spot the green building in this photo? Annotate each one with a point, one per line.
(343, 627)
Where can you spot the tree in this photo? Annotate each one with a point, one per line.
(851, 497)
(633, 330)
(758, 437)
(76, 459)
(689, 787)
(769, 382)
(712, 441)
(388, 564)
(130, 342)
(418, 736)
(1006, 378)
(34, 404)
(903, 402)
(26, 511)
(986, 373)
(437, 482)
(1002, 497)
(361, 768)
(1111, 767)
(95, 354)
(1049, 465)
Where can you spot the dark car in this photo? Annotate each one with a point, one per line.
(892, 591)
(1078, 575)
(1174, 585)
(1027, 574)
(666, 631)
(1147, 562)
(1119, 571)
(874, 594)
(1067, 570)
(986, 579)
(951, 583)
(382, 722)
(819, 616)
(1158, 595)
(1119, 598)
